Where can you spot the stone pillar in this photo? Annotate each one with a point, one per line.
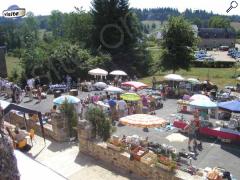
(60, 127)
(3, 66)
(84, 135)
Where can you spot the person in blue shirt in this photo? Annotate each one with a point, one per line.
(113, 111)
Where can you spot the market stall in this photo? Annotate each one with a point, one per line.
(206, 127)
(183, 106)
(194, 84)
(98, 73)
(174, 84)
(58, 87)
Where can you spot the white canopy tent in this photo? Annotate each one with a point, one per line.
(98, 72)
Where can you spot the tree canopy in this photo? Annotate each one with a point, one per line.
(219, 22)
(117, 32)
(178, 45)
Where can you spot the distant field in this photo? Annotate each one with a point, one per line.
(12, 63)
(155, 53)
(219, 76)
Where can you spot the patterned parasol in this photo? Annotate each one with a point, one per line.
(143, 121)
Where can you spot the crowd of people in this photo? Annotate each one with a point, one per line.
(116, 107)
(10, 90)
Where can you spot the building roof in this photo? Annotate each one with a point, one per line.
(216, 33)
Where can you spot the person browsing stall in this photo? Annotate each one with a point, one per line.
(121, 106)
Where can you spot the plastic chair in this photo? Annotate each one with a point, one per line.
(21, 144)
(31, 135)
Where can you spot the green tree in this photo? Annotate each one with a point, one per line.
(55, 23)
(197, 21)
(117, 31)
(178, 45)
(219, 22)
(153, 26)
(78, 27)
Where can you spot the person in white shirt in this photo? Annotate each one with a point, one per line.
(30, 83)
(121, 106)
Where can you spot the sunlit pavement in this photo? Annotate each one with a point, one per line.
(63, 158)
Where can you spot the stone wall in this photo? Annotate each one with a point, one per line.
(60, 127)
(57, 129)
(120, 160)
(3, 67)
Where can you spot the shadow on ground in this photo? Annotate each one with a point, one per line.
(88, 161)
(56, 146)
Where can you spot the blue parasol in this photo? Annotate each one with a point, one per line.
(70, 99)
(233, 106)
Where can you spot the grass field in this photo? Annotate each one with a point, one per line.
(12, 63)
(219, 76)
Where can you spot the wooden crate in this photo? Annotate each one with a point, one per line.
(149, 158)
(113, 147)
(137, 156)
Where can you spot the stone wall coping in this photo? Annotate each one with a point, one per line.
(178, 173)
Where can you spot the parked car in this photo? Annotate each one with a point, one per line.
(224, 48)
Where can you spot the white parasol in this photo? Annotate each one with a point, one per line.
(173, 77)
(118, 73)
(98, 72)
(100, 85)
(113, 89)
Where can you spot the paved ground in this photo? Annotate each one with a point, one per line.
(45, 105)
(64, 159)
(221, 56)
(214, 153)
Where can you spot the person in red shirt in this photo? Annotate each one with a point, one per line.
(198, 125)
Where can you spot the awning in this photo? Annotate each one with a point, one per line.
(16, 107)
(233, 106)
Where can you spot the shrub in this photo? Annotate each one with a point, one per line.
(101, 124)
(70, 113)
